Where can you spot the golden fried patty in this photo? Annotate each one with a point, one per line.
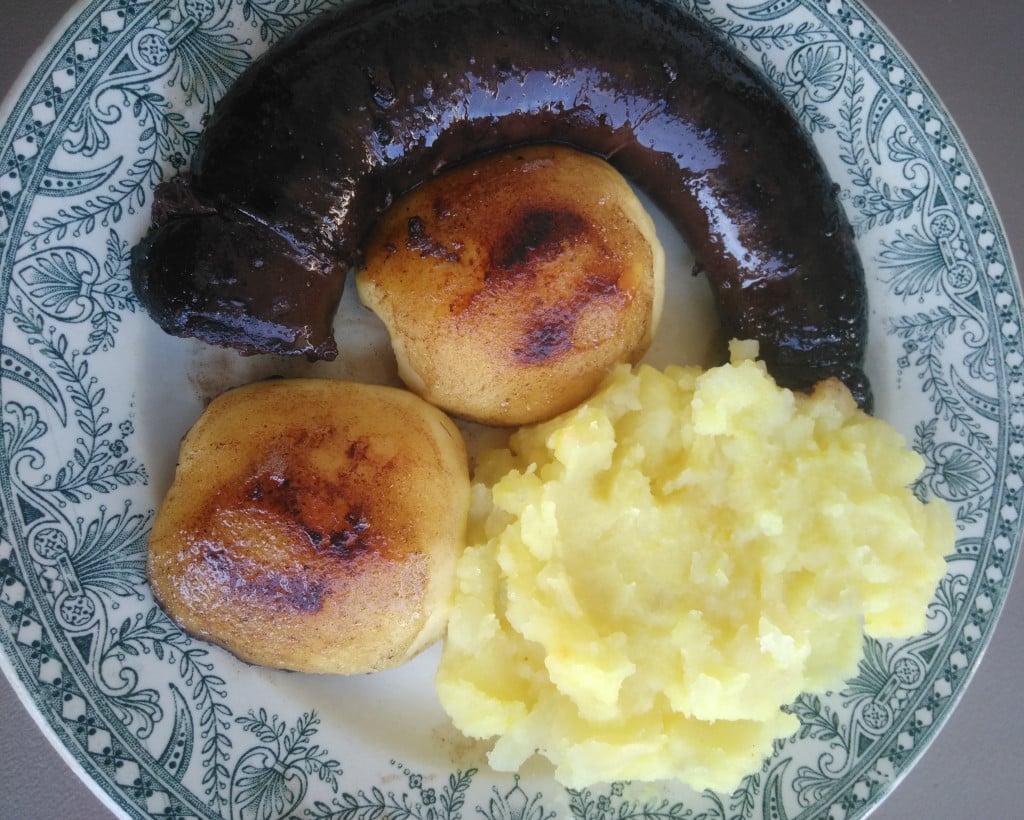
(511, 285)
(314, 525)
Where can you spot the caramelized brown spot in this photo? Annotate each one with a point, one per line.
(318, 507)
(276, 589)
(537, 236)
(319, 525)
(358, 449)
(550, 335)
(551, 331)
(442, 208)
(353, 538)
(419, 240)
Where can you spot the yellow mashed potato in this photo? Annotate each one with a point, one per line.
(654, 574)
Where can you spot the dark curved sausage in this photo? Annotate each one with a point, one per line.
(318, 136)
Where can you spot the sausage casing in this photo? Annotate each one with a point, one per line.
(334, 122)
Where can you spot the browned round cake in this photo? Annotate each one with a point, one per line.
(510, 286)
(314, 525)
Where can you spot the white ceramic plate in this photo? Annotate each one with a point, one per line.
(95, 398)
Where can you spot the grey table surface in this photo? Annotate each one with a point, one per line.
(973, 54)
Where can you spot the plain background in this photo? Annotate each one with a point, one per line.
(972, 52)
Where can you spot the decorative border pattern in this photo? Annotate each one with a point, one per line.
(159, 720)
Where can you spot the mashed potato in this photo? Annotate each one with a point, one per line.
(654, 574)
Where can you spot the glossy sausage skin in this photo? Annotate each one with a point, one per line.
(323, 132)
